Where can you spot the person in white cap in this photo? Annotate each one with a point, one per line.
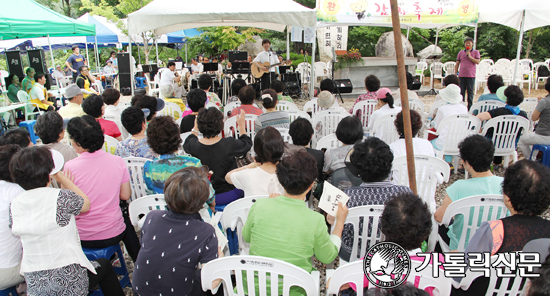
(73, 108)
(57, 73)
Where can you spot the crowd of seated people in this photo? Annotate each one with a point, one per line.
(88, 192)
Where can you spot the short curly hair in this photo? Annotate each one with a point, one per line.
(93, 106)
(163, 135)
(278, 86)
(451, 79)
(349, 130)
(268, 145)
(210, 122)
(297, 172)
(132, 119)
(236, 86)
(146, 102)
(514, 95)
(373, 158)
(86, 132)
(6, 154)
(372, 83)
(166, 90)
(31, 167)
(300, 131)
(205, 82)
(247, 95)
(110, 96)
(49, 126)
(416, 123)
(18, 136)
(186, 190)
(196, 98)
(327, 84)
(406, 220)
(494, 82)
(526, 184)
(478, 151)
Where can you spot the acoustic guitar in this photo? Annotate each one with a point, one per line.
(257, 72)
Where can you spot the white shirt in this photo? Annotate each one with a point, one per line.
(196, 68)
(57, 74)
(256, 181)
(270, 57)
(380, 112)
(11, 249)
(420, 147)
(112, 110)
(166, 76)
(37, 92)
(445, 111)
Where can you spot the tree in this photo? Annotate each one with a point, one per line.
(66, 7)
(228, 38)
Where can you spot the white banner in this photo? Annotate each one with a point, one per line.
(329, 37)
(296, 34)
(309, 35)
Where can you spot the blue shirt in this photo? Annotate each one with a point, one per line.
(76, 62)
(157, 171)
(487, 97)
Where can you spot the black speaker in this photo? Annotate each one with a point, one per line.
(123, 60)
(37, 60)
(15, 65)
(344, 85)
(292, 88)
(125, 81)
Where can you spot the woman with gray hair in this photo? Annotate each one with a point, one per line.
(168, 94)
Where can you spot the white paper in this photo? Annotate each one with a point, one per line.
(330, 198)
(309, 34)
(296, 34)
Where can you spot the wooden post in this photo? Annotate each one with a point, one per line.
(401, 72)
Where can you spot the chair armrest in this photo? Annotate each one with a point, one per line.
(428, 132)
(317, 278)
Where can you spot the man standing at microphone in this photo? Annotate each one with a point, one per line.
(466, 62)
(266, 56)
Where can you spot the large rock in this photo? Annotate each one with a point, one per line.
(428, 51)
(386, 46)
(253, 48)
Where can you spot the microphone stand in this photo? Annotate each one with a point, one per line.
(332, 74)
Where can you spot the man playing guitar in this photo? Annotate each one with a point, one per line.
(271, 58)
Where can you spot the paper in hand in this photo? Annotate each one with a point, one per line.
(330, 198)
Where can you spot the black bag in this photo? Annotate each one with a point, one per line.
(126, 91)
(543, 71)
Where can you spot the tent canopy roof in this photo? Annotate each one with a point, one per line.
(165, 16)
(28, 19)
(536, 13)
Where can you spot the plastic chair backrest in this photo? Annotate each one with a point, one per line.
(366, 107)
(506, 130)
(449, 68)
(171, 109)
(140, 207)
(421, 66)
(135, 166)
(234, 216)
(210, 104)
(527, 66)
(475, 210)
(457, 128)
(487, 61)
(328, 142)
(294, 114)
(257, 269)
(437, 69)
(503, 61)
(416, 105)
(435, 106)
(285, 106)
(311, 106)
(528, 105)
(110, 144)
(230, 126)
(320, 69)
(326, 122)
(485, 106)
(23, 96)
(284, 134)
(116, 119)
(384, 128)
(229, 107)
(371, 217)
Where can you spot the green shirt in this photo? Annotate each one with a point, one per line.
(285, 98)
(466, 188)
(286, 229)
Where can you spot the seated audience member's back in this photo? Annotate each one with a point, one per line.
(349, 132)
(111, 97)
(301, 132)
(133, 120)
(196, 99)
(94, 107)
(49, 127)
(18, 136)
(236, 86)
(421, 146)
(494, 82)
(247, 95)
(175, 240)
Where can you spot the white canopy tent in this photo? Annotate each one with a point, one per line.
(520, 15)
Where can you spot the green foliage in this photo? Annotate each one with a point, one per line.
(365, 38)
(227, 38)
(451, 41)
(297, 58)
(307, 3)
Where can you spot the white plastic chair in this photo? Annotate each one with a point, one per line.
(294, 114)
(210, 104)
(419, 71)
(139, 208)
(456, 127)
(384, 128)
(365, 213)
(326, 122)
(503, 61)
(284, 133)
(305, 72)
(154, 88)
(506, 129)
(311, 106)
(116, 119)
(354, 273)
(229, 107)
(537, 79)
(482, 74)
(366, 107)
(504, 71)
(234, 215)
(416, 105)
(231, 130)
(433, 110)
(488, 61)
(286, 106)
(328, 142)
(264, 268)
(170, 109)
(449, 68)
(475, 210)
(484, 106)
(529, 105)
(436, 69)
(23, 97)
(135, 166)
(110, 144)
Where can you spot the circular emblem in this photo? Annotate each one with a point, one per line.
(387, 265)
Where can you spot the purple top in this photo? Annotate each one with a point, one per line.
(467, 67)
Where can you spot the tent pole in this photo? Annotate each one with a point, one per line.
(130, 57)
(312, 81)
(436, 37)
(96, 54)
(87, 58)
(186, 54)
(53, 61)
(139, 54)
(287, 43)
(401, 73)
(518, 54)
(475, 32)
(157, 49)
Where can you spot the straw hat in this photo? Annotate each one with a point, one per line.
(325, 99)
(451, 94)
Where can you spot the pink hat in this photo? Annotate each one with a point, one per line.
(381, 93)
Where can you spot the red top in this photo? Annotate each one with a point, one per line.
(109, 127)
(248, 109)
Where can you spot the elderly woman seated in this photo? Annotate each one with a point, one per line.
(133, 120)
(421, 146)
(94, 107)
(49, 127)
(168, 94)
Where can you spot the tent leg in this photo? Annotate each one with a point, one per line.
(186, 61)
(53, 61)
(312, 81)
(87, 58)
(475, 32)
(131, 68)
(518, 54)
(96, 55)
(139, 54)
(157, 49)
(287, 42)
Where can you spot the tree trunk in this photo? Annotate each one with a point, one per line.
(529, 44)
